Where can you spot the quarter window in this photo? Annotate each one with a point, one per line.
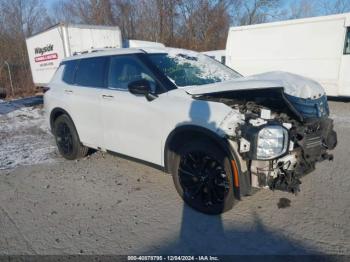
(125, 69)
(347, 42)
(91, 72)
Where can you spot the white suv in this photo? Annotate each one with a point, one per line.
(219, 134)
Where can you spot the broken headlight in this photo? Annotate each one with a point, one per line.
(264, 142)
(271, 142)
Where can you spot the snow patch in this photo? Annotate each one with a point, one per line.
(25, 138)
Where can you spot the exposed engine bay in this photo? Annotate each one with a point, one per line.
(302, 127)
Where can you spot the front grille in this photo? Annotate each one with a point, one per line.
(312, 141)
(310, 108)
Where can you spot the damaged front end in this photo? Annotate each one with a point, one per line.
(280, 137)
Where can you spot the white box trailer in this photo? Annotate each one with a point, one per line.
(318, 48)
(46, 49)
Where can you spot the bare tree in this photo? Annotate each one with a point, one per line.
(334, 7)
(166, 14)
(205, 24)
(20, 19)
(303, 8)
(309, 8)
(148, 22)
(126, 15)
(260, 11)
(97, 12)
(23, 17)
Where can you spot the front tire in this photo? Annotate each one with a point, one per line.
(203, 177)
(67, 139)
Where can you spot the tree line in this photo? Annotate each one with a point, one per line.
(192, 24)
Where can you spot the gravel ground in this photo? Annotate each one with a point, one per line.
(107, 205)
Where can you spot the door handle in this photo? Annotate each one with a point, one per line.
(68, 91)
(107, 96)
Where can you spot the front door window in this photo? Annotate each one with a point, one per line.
(125, 69)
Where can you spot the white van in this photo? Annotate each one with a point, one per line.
(47, 49)
(318, 48)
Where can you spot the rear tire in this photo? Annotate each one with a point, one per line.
(203, 177)
(67, 139)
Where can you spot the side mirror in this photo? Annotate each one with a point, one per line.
(141, 87)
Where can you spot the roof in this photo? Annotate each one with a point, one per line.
(105, 52)
(292, 21)
(123, 51)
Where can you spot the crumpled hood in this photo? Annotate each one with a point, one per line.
(294, 85)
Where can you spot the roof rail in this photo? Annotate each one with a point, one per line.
(94, 50)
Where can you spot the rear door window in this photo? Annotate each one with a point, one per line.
(69, 71)
(347, 42)
(91, 72)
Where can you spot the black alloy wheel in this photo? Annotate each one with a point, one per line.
(67, 139)
(203, 177)
(64, 138)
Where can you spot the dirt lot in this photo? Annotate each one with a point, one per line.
(106, 205)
